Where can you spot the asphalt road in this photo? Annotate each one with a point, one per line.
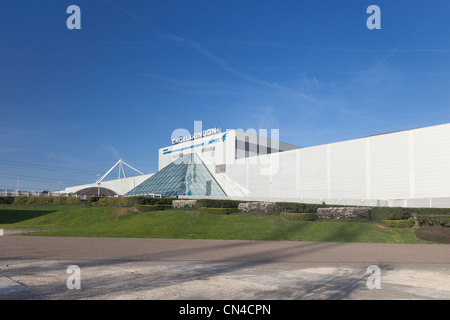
(33, 267)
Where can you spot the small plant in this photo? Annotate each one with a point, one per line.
(406, 223)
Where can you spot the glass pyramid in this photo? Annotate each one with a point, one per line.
(185, 176)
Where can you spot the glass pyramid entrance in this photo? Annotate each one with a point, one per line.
(185, 176)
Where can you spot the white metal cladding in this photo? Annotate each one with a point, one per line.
(312, 172)
(347, 170)
(431, 156)
(389, 166)
(401, 165)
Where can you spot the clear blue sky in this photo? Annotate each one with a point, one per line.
(137, 70)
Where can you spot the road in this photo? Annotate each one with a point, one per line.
(33, 267)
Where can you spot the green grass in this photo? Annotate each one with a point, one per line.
(106, 222)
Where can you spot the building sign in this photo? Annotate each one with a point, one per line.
(202, 144)
(196, 135)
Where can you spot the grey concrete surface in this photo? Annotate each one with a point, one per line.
(161, 269)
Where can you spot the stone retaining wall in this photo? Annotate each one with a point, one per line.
(344, 212)
(265, 207)
(178, 204)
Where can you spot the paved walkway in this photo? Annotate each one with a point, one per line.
(114, 268)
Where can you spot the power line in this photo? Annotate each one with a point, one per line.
(40, 179)
(40, 166)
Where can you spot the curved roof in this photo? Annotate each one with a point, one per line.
(96, 191)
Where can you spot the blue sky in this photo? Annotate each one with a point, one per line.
(73, 102)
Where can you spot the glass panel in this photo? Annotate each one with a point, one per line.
(187, 175)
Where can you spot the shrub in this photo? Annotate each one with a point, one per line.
(434, 234)
(434, 220)
(113, 202)
(91, 200)
(6, 200)
(391, 213)
(152, 207)
(216, 210)
(299, 216)
(42, 201)
(150, 200)
(217, 203)
(407, 223)
(430, 211)
(298, 207)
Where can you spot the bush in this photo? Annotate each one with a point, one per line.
(407, 223)
(434, 220)
(216, 210)
(298, 207)
(152, 207)
(113, 202)
(217, 203)
(150, 200)
(42, 201)
(430, 211)
(391, 213)
(434, 234)
(6, 200)
(299, 216)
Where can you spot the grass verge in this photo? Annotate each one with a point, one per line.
(80, 221)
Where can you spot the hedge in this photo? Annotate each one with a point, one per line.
(113, 202)
(6, 200)
(430, 211)
(128, 201)
(152, 207)
(391, 213)
(295, 207)
(300, 216)
(434, 220)
(151, 200)
(36, 200)
(216, 210)
(396, 213)
(217, 203)
(407, 223)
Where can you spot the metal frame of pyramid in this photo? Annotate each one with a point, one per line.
(186, 175)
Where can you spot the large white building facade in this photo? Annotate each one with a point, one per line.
(406, 168)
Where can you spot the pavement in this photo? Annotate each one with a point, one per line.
(39, 268)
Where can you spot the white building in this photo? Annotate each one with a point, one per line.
(405, 168)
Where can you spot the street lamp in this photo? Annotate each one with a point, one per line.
(98, 183)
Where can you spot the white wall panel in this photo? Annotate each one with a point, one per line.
(283, 182)
(347, 165)
(312, 172)
(389, 166)
(432, 161)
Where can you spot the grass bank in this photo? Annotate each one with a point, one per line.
(82, 221)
